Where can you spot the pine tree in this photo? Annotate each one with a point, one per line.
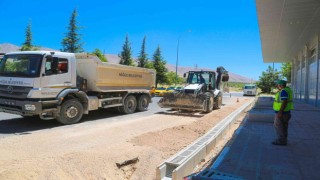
(142, 59)
(125, 55)
(27, 45)
(100, 55)
(71, 43)
(159, 65)
(267, 79)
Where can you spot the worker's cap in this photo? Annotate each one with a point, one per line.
(281, 82)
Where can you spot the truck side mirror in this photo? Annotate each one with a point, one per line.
(184, 75)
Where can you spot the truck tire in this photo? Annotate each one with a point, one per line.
(71, 112)
(129, 105)
(217, 101)
(143, 103)
(208, 102)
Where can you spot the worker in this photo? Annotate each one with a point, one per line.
(282, 106)
(62, 68)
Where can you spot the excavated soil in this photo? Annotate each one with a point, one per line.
(91, 151)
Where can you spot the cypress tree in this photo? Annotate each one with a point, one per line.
(27, 45)
(125, 55)
(159, 65)
(142, 59)
(71, 43)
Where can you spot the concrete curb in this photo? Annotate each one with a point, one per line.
(184, 162)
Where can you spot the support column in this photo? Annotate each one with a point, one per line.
(306, 78)
(318, 69)
(294, 72)
(300, 85)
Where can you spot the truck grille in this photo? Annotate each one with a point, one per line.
(18, 92)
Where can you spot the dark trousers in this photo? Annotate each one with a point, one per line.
(281, 126)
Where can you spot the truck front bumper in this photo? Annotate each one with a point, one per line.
(24, 108)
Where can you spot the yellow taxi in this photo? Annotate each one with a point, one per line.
(160, 91)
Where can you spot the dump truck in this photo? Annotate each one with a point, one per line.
(203, 92)
(64, 86)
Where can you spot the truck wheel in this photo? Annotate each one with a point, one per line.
(129, 105)
(71, 112)
(208, 103)
(143, 103)
(217, 101)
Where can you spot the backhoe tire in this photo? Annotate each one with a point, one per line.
(208, 102)
(217, 101)
(71, 112)
(129, 105)
(143, 103)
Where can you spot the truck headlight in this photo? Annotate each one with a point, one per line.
(29, 107)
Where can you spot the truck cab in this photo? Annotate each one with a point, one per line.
(250, 90)
(31, 81)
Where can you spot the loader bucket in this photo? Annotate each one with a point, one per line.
(182, 101)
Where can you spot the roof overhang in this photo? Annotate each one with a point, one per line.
(286, 26)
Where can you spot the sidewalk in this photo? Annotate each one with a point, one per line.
(250, 154)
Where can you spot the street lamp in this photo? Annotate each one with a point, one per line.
(178, 57)
(175, 83)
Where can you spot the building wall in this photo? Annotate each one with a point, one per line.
(305, 73)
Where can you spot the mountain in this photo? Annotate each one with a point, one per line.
(7, 47)
(113, 58)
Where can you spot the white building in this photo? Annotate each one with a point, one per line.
(290, 32)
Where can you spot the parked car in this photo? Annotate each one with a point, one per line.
(178, 88)
(160, 91)
(170, 89)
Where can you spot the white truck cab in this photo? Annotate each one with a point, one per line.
(250, 90)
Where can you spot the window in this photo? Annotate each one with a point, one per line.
(60, 68)
(21, 65)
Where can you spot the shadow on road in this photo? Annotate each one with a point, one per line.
(101, 114)
(25, 125)
(22, 125)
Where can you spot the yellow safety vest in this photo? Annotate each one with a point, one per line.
(278, 102)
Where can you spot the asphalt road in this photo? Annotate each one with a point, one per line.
(16, 125)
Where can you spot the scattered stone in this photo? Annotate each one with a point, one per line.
(127, 162)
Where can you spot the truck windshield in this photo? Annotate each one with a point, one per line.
(249, 87)
(21, 65)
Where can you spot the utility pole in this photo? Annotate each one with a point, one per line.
(175, 83)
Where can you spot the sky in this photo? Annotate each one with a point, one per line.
(211, 33)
